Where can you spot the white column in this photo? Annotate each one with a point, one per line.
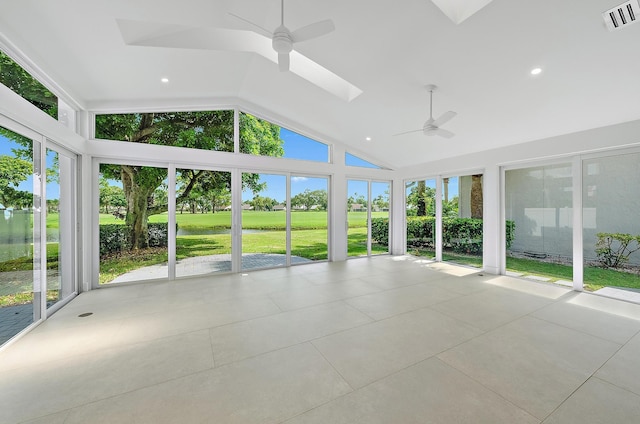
(493, 227)
(578, 250)
(438, 229)
(171, 222)
(338, 208)
(398, 235)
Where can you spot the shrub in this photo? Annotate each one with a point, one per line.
(613, 248)
(461, 234)
(115, 237)
(380, 230)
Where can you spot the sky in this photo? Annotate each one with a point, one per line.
(453, 187)
(53, 188)
(297, 146)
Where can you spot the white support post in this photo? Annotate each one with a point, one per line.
(397, 220)
(493, 227)
(438, 218)
(578, 250)
(171, 233)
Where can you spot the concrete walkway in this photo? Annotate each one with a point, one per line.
(202, 265)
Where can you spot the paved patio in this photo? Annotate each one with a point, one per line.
(202, 265)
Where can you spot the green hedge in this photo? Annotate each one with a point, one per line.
(115, 237)
(460, 234)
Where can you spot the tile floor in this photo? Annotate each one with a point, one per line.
(381, 340)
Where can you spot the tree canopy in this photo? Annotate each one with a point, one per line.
(21, 82)
(310, 198)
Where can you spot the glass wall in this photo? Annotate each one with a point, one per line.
(264, 221)
(367, 217)
(133, 223)
(263, 138)
(207, 130)
(309, 219)
(539, 214)
(611, 229)
(22, 83)
(420, 207)
(20, 247)
(203, 218)
(60, 225)
(353, 160)
(379, 210)
(462, 206)
(357, 211)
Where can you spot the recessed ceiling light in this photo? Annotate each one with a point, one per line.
(536, 71)
(164, 80)
(368, 138)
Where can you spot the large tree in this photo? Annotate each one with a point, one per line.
(198, 130)
(17, 79)
(13, 171)
(309, 198)
(422, 198)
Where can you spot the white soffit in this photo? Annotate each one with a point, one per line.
(459, 10)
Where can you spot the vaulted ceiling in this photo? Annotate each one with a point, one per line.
(388, 50)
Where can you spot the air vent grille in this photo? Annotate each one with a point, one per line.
(621, 16)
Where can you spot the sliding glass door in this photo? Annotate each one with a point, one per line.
(367, 217)
(264, 221)
(309, 219)
(60, 224)
(203, 220)
(20, 223)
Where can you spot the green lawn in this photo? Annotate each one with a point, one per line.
(594, 278)
(255, 220)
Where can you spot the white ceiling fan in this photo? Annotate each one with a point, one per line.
(278, 47)
(283, 40)
(432, 126)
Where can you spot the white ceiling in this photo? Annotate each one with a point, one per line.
(390, 50)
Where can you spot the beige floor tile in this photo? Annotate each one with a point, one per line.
(546, 290)
(591, 321)
(393, 302)
(248, 338)
(624, 368)
(462, 285)
(428, 392)
(265, 389)
(533, 363)
(373, 351)
(598, 402)
(51, 343)
(491, 307)
(177, 321)
(302, 297)
(58, 418)
(59, 385)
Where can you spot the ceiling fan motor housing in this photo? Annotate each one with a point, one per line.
(282, 42)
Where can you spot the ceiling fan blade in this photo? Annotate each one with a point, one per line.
(283, 61)
(408, 132)
(315, 30)
(255, 27)
(446, 117)
(443, 133)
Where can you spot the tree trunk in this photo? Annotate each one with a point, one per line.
(445, 185)
(422, 202)
(476, 196)
(137, 208)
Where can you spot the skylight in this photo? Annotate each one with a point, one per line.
(459, 10)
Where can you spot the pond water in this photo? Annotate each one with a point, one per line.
(205, 231)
